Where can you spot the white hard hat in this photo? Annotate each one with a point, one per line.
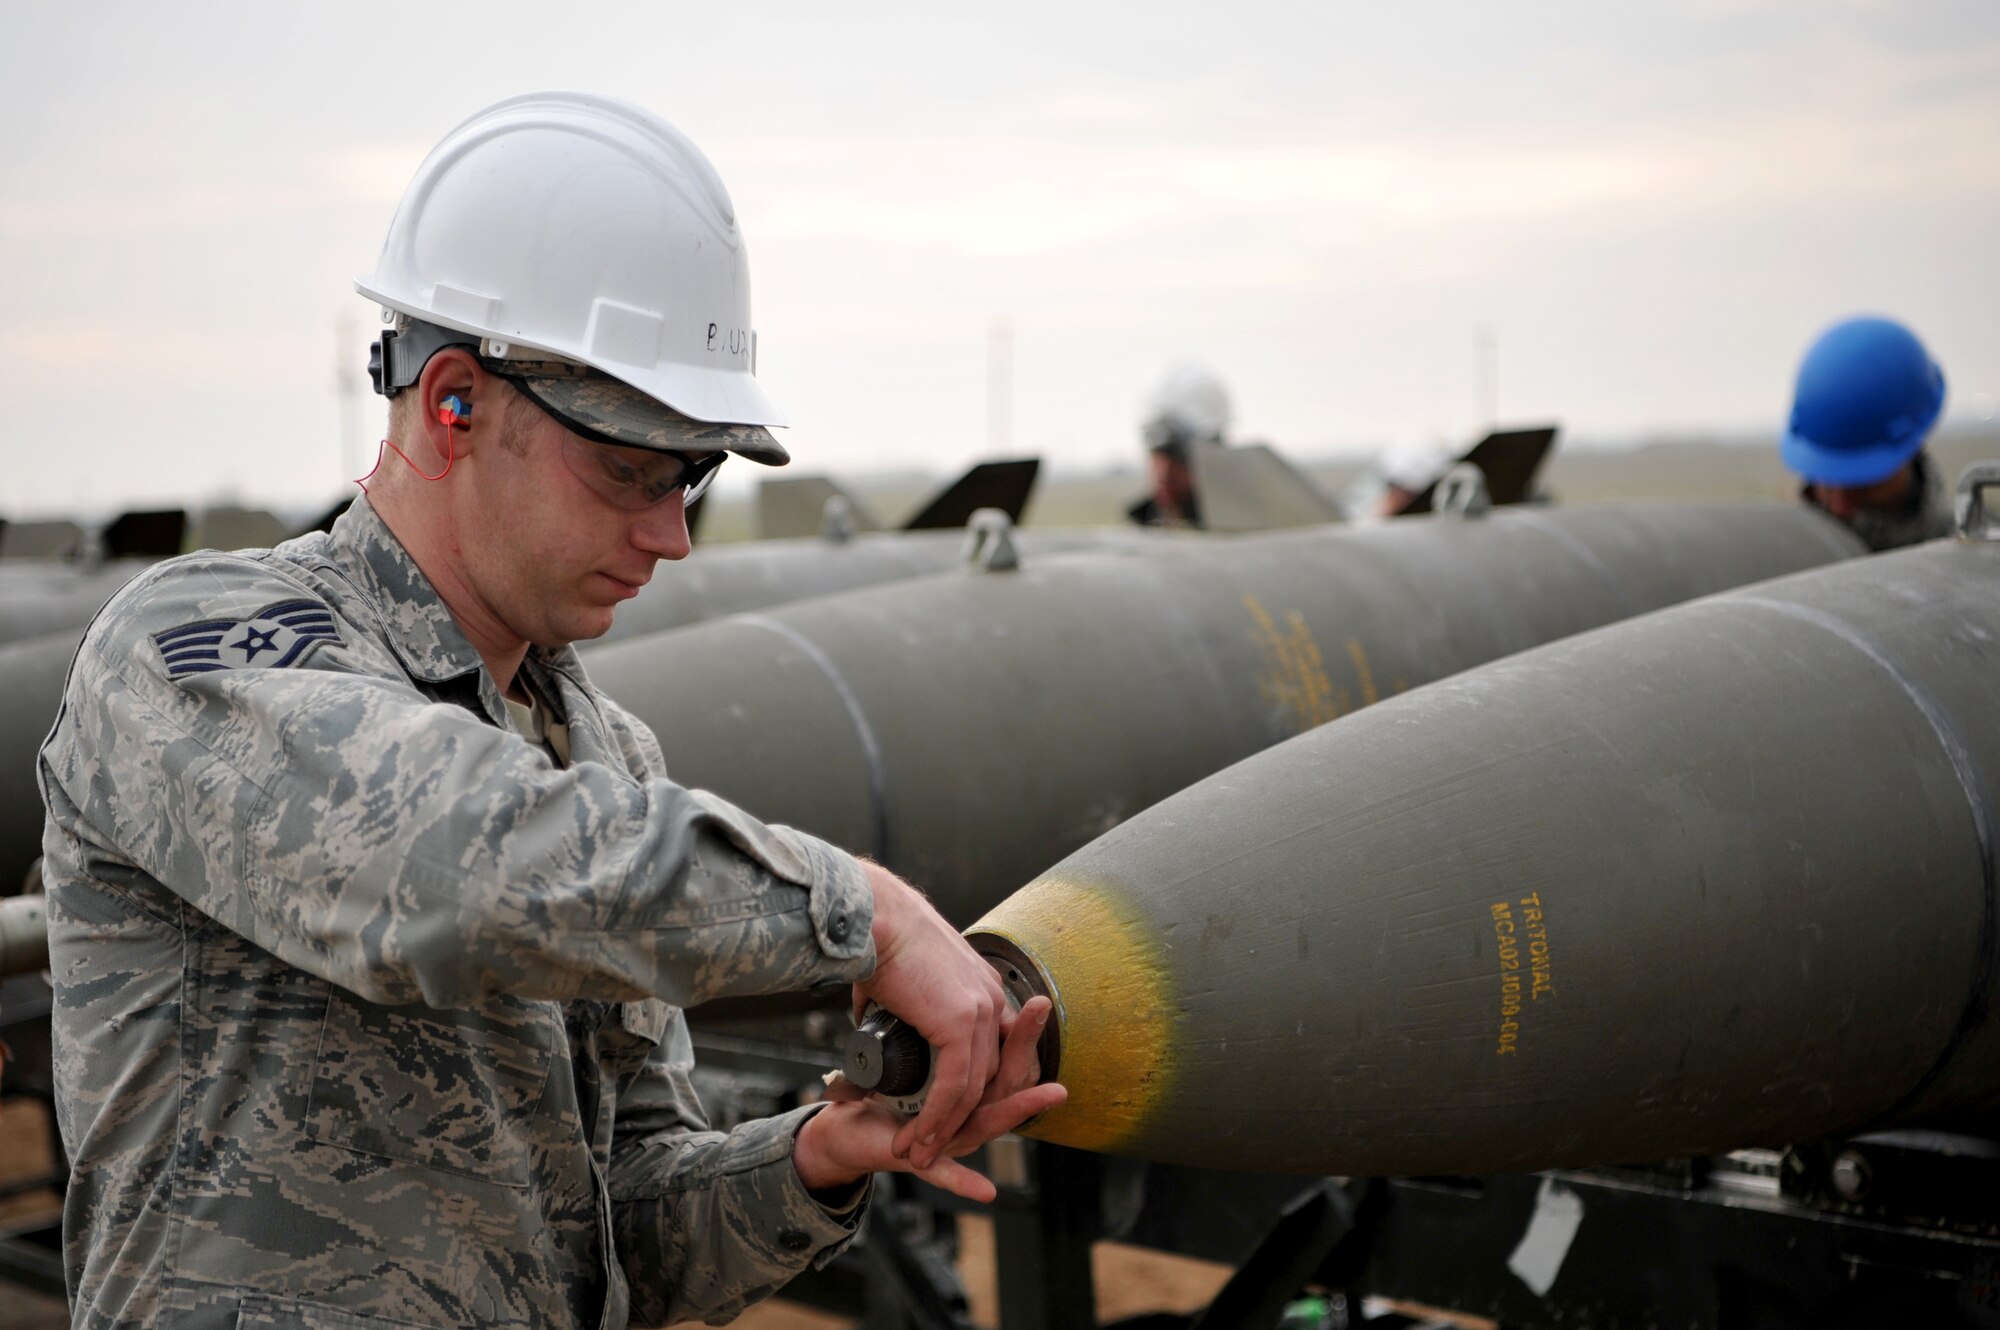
(572, 226)
(1414, 467)
(1189, 406)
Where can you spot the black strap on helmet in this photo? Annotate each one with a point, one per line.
(397, 358)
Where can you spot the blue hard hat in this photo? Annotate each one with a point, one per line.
(1867, 396)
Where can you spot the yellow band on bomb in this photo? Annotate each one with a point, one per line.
(1113, 1007)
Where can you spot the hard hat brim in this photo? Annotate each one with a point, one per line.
(1847, 468)
(623, 414)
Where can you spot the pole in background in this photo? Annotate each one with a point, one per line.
(999, 386)
(1485, 377)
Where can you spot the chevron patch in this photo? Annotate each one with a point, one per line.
(272, 638)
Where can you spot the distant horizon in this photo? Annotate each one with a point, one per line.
(1949, 434)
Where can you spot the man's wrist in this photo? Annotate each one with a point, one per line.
(822, 1176)
(888, 890)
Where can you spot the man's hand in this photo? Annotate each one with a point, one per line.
(932, 978)
(853, 1137)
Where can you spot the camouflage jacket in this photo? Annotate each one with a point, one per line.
(362, 1005)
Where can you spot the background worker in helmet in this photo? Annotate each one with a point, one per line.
(1407, 471)
(1190, 406)
(371, 919)
(1868, 396)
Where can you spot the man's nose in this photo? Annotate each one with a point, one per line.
(662, 530)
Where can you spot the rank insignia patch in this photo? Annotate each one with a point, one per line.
(275, 636)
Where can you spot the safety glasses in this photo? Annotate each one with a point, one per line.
(638, 478)
(624, 475)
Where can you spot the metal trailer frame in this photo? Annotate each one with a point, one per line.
(1886, 1229)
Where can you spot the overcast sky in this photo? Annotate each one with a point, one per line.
(1654, 207)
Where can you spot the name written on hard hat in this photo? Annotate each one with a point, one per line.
(728, 341)
(1512, 937)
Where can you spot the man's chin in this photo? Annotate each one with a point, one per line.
(582, 625)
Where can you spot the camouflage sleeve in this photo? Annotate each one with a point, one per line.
(707, 1223)
(329, 812)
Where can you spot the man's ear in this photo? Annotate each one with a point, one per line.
(450, 393)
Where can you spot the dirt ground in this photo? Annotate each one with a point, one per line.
(1128, 1281)
(25, 1154)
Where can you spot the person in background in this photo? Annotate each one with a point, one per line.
(1407, 471)
(1189, 407)
(1867, 399)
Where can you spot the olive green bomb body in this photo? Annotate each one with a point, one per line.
(970, 729)
(24, 936)
(41, 597)
(35, 669)
(724, 580)
(718, 580)
(1721, 876)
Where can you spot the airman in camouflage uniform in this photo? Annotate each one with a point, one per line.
(359, 991)
(371, 919)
